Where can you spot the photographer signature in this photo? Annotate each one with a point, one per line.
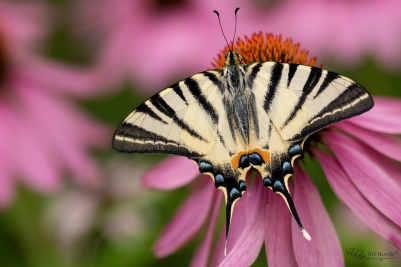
(371, 255)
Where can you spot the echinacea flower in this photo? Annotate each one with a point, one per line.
(43, 134)
(140, 40)
(360, 171)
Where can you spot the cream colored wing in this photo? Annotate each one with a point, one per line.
(189, 119)
(301, 100)
(180, 120)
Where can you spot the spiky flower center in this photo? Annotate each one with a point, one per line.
(267, 47)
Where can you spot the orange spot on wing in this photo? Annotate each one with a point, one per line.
(265, 154)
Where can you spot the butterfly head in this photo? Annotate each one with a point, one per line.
(232, 58)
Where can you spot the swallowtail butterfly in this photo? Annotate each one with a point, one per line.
(240, 116)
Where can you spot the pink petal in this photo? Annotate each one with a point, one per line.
(188, 219)
(61, 131)
(238, 223)
(372, 173)
(218, 250)
(383, 117)
(350, 195)
(41, 170)
(201, 257)
(387, 144)
(61, 79)
(248, 245)
(278, 239)
(171, 173)
(37, 164)
(324, 249)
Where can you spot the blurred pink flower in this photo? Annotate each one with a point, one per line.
(151, 42)
(43, 134)
(155, 43)
(346, 30)
(362, 174)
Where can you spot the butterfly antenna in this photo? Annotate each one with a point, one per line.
(218, 16)
(235, 30)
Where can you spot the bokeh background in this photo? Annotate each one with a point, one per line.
(71, 71)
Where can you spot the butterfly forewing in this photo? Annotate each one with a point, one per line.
(180, 120)
(301, 99)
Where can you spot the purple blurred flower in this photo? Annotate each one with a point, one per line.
(364, 148)
(155, 43)
(43, 134)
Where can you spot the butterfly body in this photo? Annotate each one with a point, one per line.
(231, 119)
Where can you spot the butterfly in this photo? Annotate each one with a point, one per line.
(242, 116)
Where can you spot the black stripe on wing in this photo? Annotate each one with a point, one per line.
(330, 76)
(161, 105)
(215, 79)
(291, 72)
(355, 95)
(177, 89)
(144, 108)
(311, 82)
(133, 139)
(275, 78)
(252, 76)
(197, 93)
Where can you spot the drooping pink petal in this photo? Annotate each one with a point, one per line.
(37, 165)
(324, 249)
(350, 195)
(238, 223)
(201, 257)
(278, 239)
(248, 245)
(387, 144)
(171, 173)
(372, 173)
(188, 219)
(55, 116)
(59, 79)
(383, 117)
(218, 251)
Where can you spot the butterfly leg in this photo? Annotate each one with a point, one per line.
(276, 178)
(230, 182)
